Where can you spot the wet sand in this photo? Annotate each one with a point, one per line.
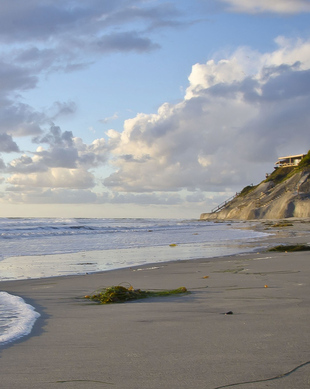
(173, 342)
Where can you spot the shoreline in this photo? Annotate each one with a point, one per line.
(81, 262)
(172, 342)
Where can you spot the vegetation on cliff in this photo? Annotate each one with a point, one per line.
(246, 190)
(304, 163)
(281, 174)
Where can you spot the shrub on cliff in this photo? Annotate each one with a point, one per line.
(305, 162)
(280, 174)
(247, 190)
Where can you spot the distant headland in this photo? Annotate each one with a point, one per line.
(284, 193)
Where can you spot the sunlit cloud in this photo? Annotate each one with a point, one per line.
(274, 6)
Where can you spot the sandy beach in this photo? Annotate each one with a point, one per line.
(184, 341)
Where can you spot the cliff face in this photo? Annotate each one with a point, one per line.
(270, 199)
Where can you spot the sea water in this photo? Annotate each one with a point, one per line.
(32, 237)
(16, 317)
(38, 247)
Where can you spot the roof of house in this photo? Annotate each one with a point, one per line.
(292, 156)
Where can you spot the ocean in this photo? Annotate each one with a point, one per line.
(38, 248)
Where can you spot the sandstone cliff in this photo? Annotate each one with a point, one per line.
(285, 193)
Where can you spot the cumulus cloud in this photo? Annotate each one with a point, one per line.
(274, 6)
(56, 137)
(63, 151)
(237, 112)
(26, 165)
(61, 161)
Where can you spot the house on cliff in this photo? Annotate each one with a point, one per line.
(291, 160)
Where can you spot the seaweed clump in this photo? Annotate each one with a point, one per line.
(282, 224)
(290, 248)
(120, 294)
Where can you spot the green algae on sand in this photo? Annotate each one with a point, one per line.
(120, 294)
(290, 248)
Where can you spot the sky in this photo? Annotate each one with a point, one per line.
(147, 108)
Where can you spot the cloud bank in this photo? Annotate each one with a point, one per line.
(237, 113)
(237, 116)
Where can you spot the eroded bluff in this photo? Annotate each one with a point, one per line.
(286, 193)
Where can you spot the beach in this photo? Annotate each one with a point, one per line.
(244, 324)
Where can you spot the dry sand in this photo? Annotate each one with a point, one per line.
(172, 342)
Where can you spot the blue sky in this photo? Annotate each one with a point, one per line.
(147, 108)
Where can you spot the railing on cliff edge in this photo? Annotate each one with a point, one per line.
(224, 203)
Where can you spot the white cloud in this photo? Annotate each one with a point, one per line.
(54, 178)
(64, 163)
(274, 6)
(238, 114)
(204, 76)
(289, 52)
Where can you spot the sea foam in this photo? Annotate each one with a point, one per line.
(16, 318)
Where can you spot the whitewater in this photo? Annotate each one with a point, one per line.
(37, 248)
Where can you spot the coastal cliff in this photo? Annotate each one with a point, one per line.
(285, 193)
